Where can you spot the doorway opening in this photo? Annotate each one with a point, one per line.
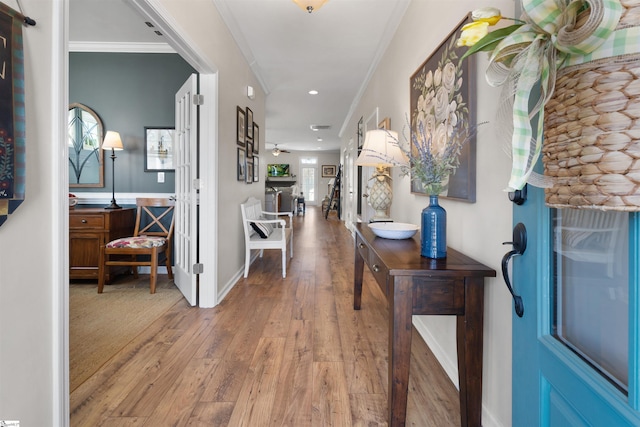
(309, 179)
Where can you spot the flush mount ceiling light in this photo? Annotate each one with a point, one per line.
(313, 92)
(310, 5)
(316, 128)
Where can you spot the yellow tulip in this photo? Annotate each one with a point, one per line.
(490, 15)
(473, 32)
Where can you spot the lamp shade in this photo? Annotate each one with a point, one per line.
(381, 149)
(310, 5)
(113, 141)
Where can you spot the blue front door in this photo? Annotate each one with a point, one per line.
(576, 349)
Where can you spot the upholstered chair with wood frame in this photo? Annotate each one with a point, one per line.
(152, 237)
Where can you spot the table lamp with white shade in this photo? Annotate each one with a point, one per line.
(381, 150)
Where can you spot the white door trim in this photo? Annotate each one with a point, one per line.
(209, 292)
(60, 214)
(208, 283)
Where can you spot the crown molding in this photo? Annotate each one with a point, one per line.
(120, 47)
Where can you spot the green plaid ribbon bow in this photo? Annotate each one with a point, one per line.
(527, 60)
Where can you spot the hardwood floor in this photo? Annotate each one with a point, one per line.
(274, 352)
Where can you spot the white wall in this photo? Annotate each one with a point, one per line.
(477, 229)
(30, 242)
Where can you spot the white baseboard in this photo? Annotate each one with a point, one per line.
(449, 366)
(239, 275)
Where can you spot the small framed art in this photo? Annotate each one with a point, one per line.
(249, 124)
(256, 139)
(249, 172)
(158, 149)
(241, 126)
(328, 171)
(256, 169)
(242, 164)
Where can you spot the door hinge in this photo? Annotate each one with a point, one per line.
(198, 268)
(196, 184)
(198, 99)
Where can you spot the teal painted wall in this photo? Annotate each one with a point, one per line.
(129, 91)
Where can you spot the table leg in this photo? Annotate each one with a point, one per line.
(358, 273)
(400, 310)
(469, 337)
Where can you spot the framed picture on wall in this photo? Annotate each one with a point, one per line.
(241, 125)
(249, 149)
(242, 164)
(328, 171)
(249, 172)
(158, 149)
(249, 124)
(456, 83)
(256, 139)
(256, 169)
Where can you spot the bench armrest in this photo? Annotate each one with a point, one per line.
(289, 214)
(278, 213)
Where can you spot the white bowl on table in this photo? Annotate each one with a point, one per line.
(393, 230)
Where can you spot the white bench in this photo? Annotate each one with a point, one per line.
(277, 238)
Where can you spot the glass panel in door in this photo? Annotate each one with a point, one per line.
(309, 184)
(591, 276)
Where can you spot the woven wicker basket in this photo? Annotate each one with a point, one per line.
(592, 131)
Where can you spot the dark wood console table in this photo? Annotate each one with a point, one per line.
(91, 228)
(417, 285)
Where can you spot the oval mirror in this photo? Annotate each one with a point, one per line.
(86, 166)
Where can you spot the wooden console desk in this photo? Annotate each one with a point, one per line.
(90, 228)
(417, 285)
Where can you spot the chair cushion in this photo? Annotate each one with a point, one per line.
(264, 229)
(137, 242)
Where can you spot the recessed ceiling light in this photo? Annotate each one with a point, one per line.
(319, 139)
(313, 92)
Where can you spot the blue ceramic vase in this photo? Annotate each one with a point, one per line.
(433, 234)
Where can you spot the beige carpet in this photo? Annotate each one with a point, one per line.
(102, 324)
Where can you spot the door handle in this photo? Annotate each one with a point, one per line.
(519, 244)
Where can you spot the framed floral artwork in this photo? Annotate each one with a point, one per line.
(442, 103)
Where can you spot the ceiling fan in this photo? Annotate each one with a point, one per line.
(276, 151)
